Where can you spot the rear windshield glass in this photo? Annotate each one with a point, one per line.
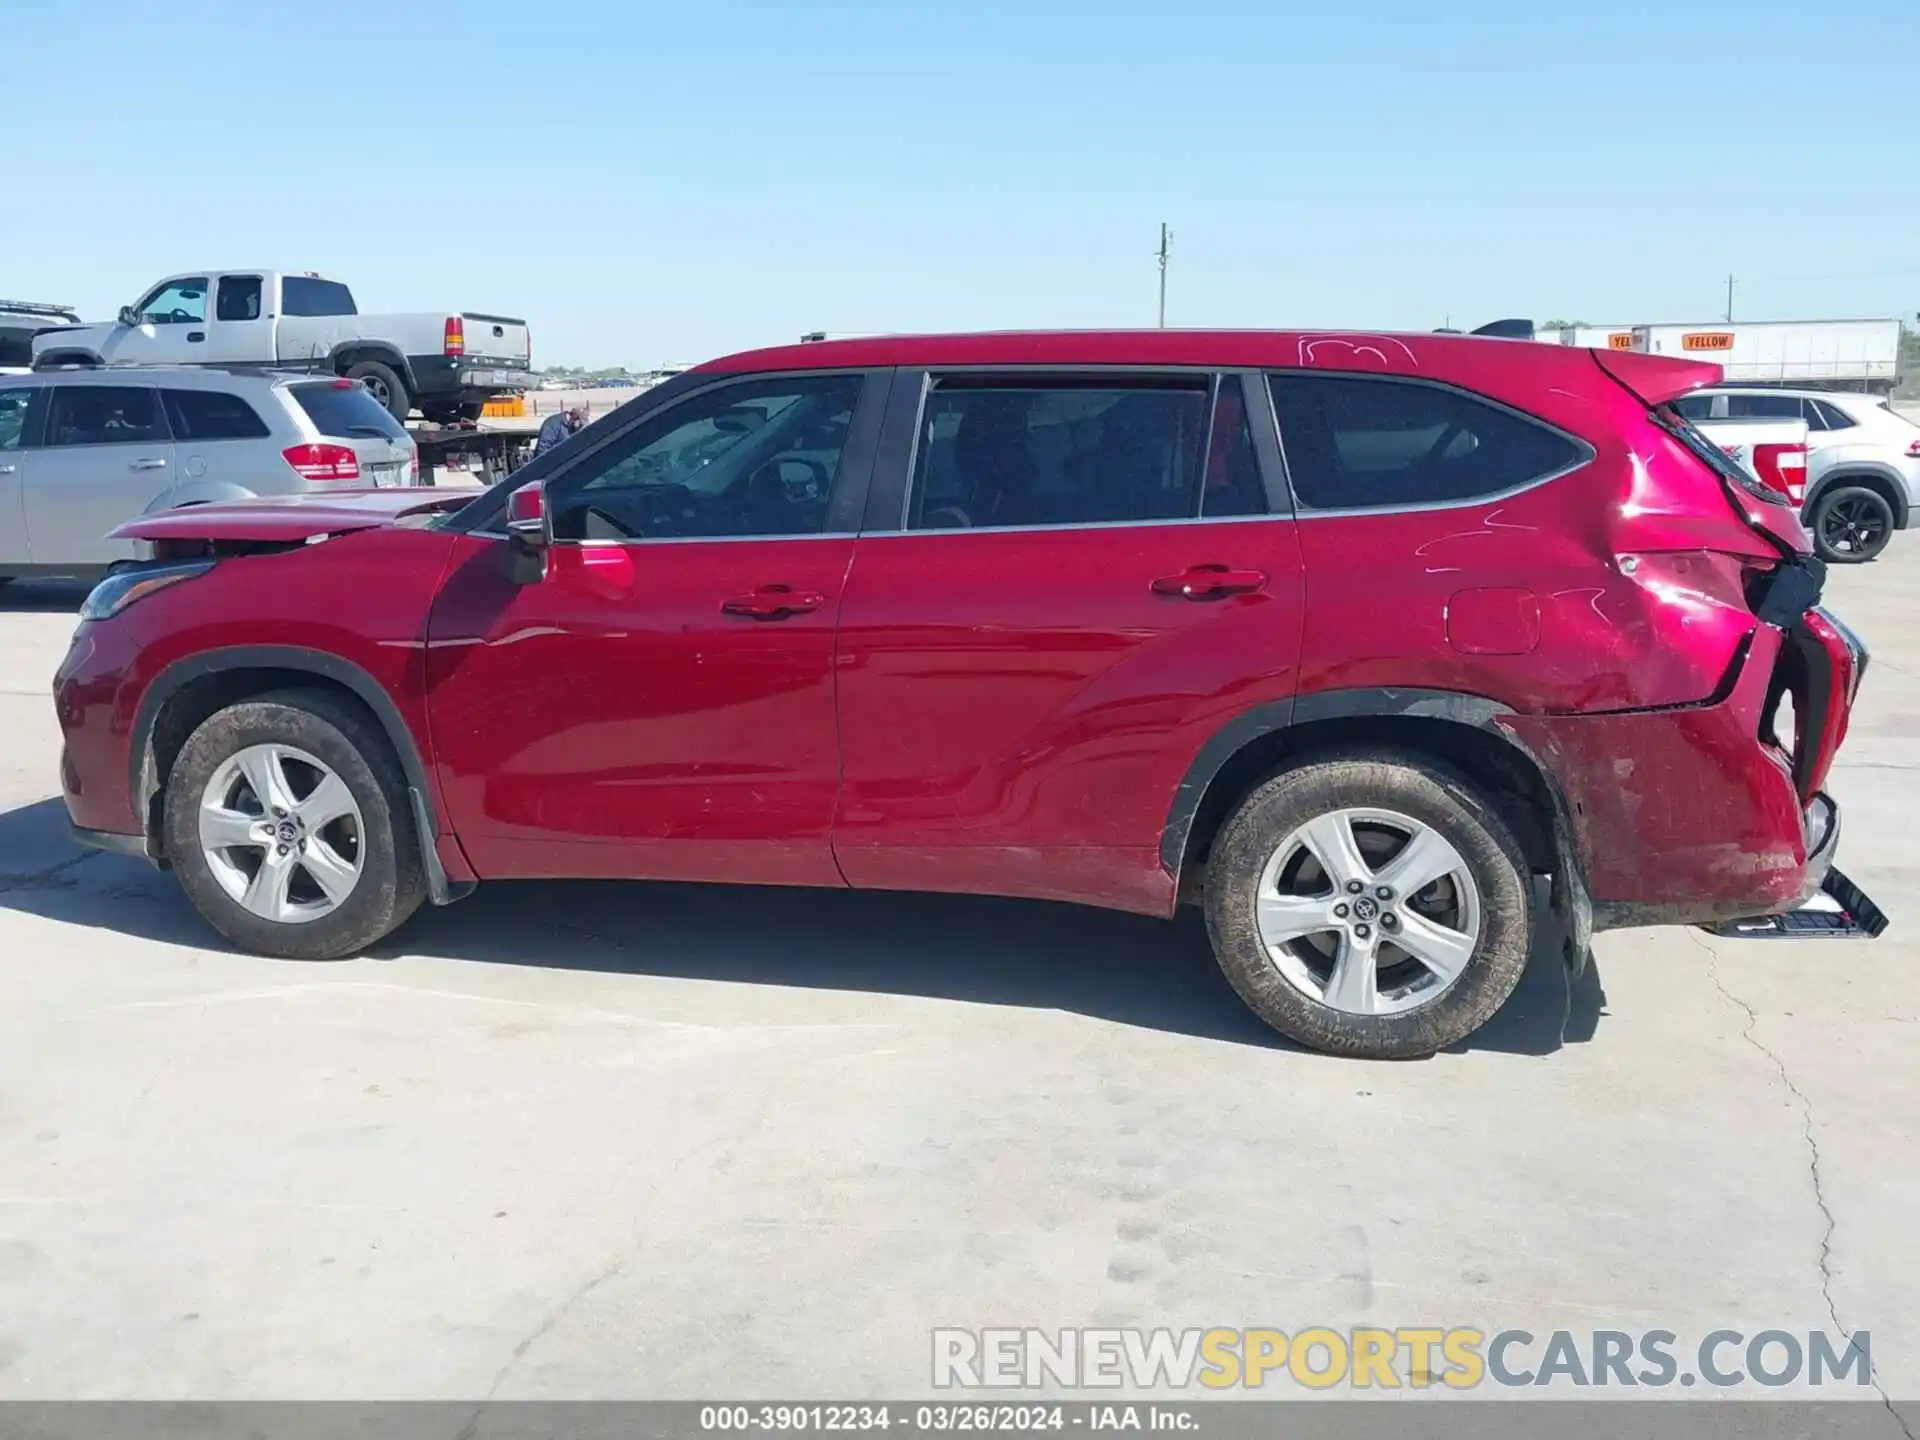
(1716, 459)
(346, 411)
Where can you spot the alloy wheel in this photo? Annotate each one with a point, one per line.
(281, 833)
(1368, 911)
(1854, 526)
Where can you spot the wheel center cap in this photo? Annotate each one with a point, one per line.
(289, 831)
(1366, 908)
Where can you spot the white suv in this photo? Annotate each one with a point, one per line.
(82, 451)
(1863, 461)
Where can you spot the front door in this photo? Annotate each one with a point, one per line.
(660, 705)
(15, 401)
(1087, 581)
(105, 457)
(172, 328)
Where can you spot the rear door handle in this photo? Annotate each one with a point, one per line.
(8, 469)
(194, 337)
(148, 463)
(773, 602)
(1209, 582)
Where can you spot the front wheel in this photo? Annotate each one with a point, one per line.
(1371, 905)
(1851, 524)
(287, 821)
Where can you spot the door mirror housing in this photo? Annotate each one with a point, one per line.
(529, 532)
(129, 316)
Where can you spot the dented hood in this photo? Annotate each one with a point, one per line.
(293, 517)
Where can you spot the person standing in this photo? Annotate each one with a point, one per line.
(558, 427)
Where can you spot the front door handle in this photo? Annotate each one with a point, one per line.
(8, 469)
(1209, 582)
(194, 337)
(773, 602)
(150, 462)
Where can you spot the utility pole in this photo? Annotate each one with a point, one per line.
(1729, 299)
(1166, 248)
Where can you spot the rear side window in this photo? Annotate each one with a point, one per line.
(997, 453)
(104, 415)
(238, 298)
(1764, 407)
(16, 345)
(210, 415)
(1356, 442)
(1830, 417)
(300, 295)
(344, 410)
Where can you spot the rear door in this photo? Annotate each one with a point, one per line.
(222, 444)
(105, 456)
(1068, 583)
(240, 331)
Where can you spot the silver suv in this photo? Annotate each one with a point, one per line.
(82, 451)
(1863, 461)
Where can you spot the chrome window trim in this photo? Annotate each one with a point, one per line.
(1305, 510)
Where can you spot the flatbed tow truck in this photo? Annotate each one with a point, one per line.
(474, 451)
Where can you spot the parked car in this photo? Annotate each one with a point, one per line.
(1344, 638)
(20, 321)
(1863, 461)
(82, 451)
(446, 364)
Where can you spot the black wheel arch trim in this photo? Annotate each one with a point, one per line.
(1864, 475)
(1571, 899)
(351, 352)
(145, 782)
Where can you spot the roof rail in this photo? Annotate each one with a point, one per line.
(33, 307)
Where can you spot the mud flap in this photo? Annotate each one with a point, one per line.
(1841, 911)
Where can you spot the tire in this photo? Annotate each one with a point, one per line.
(1407, 1008)
(383, 382)
(1851, 524)
(300, 726)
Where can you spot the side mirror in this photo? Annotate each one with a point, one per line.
(129, 316)
(529, 532)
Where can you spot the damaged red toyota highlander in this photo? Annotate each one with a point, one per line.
(1345, 638)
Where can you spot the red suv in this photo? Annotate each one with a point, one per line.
(1346, 638)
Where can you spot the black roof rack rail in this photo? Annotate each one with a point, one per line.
(34, 307)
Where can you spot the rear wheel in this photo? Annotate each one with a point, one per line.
(1851, 524)
(287, 821)
(1370, 905)
(383, 382)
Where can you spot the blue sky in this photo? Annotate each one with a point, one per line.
(658, 183)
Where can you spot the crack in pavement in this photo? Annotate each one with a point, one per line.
(1814, 1170)
(40, 877)
(537, 1334)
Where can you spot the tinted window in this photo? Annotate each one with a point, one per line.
(239, 298)
(13, 416)
(998, 454)
(1233, 476)
(1764, 407)
(344, 410)
(103, 415)
(301, 296)
(757, 458)
(1353, 442)
(1832, 416)
(209, 415)
(16, 345)
(180, 302)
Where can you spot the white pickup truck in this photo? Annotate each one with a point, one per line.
(444, 363)
(1774, 452)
